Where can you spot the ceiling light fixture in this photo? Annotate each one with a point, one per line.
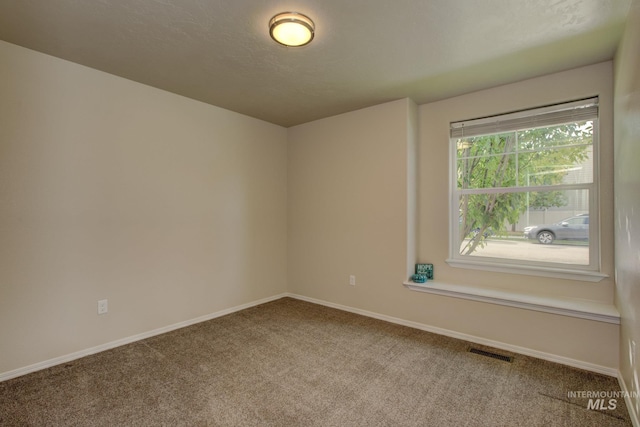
(291, 29)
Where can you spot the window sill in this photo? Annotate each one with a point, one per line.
(559, 273)
(589, 310)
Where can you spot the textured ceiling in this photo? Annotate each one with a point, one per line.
(365, 51)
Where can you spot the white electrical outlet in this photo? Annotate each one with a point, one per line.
(352, 280)
(632, 353)
(103, 306)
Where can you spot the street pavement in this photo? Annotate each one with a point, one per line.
(531, 250)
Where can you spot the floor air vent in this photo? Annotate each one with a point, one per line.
(490, 354)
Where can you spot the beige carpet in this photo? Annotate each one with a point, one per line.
(292, 363)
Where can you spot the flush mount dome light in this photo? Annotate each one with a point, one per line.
(291, 29)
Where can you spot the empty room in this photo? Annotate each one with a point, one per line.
(320, 213)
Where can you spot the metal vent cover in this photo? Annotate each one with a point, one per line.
(490, 354)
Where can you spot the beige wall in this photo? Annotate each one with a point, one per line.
(348, 201)
(169, 208)
(627, 201)
(347, 213)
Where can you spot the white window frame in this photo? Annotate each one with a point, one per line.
(548, 116)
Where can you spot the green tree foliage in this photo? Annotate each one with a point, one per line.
(533, 157)
(546, 199)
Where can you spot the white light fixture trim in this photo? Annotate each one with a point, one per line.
(291, 29)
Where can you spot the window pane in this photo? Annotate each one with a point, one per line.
(542, 156)
(486, 145)
(487, 161)
(579, 133)
(550, 226)
(572, 165)
(522, 187)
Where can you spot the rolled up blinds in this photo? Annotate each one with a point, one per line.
(576, 111)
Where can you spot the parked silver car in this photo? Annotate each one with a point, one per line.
(574, 228)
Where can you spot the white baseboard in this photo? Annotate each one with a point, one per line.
(478, 340)
(605, 370)
(635, 417)
(117, 343)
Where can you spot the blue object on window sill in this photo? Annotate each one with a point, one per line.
(419, 278)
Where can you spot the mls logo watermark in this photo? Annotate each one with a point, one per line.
(602, 404)
(602, 400)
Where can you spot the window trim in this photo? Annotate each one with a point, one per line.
(592, 271)
(528, 270)
(582, 309)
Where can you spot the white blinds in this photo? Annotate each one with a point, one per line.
(576, 111)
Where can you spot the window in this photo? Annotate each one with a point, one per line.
(524, 191)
